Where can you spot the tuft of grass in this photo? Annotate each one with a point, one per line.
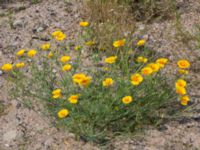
(2, 107)
(147, 10)
(111, 21)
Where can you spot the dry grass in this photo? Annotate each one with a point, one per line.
(111, 21)
(146, 10)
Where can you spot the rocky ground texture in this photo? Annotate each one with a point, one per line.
(29, 129)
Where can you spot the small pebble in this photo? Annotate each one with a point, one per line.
(1, 73)
(54, 70)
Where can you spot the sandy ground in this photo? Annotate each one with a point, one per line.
(29, 129)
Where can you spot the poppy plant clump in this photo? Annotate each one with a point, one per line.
(93, 92)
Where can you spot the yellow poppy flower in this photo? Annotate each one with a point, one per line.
(127, 99)
(181, 83)
(81, 79)
(59, 35)
(77, 77)
(183, 64)
(141, 42)
(32, 53)
(63, 113)
(20, 65)
(66, 67)
(180, 90)
(141, 59)
(184, 100)
(85, 81)
(20, 52)
(162, 62)
(111, 59)
(73, 99)
(154, 66)
(56, 93)
(84, 24)
(119, 43)
(146, 71)
(55, 33)
(65, 59)
(108, 82)
(56, 96)
(7, 67)
(45, 46)
(136, 79)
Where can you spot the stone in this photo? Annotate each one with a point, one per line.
(141, 27)
(58, 25)
(40, 28)
(71, 135)
(18, 23)
(7, 145)
(10, 135)
(1, 72)
(48, 143)
(54, 70)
